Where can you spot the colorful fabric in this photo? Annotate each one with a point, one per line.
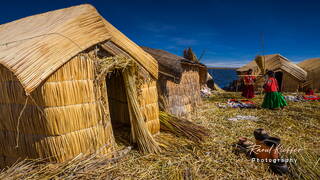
(274, 100)
(248, 91)
(242, 103)
(311, 97)
(271, 85)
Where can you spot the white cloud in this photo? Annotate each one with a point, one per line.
(158, 28)
(184, 41)
(225, 63)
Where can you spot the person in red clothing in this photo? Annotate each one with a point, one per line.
(272, 99)
(248, 90)
(309, 91)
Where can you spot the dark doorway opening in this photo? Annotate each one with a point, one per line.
(279, 77)
(118, 107)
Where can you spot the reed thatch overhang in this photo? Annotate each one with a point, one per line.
(35, 47)
(310, 65)
(277, 62)
(171, 65)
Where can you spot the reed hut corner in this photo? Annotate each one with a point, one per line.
(68, 78)
(179, 82)
(290, 76)
(312, 66)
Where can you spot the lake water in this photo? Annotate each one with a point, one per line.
(223, 77)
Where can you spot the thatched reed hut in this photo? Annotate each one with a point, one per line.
(290, 76)
(179, 82)
(67, 79)
(312, 66)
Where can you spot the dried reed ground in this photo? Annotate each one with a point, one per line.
(298, 126)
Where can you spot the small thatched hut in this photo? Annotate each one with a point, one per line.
(290, 76)
(312, 66)
(179, 82)
(67, 79)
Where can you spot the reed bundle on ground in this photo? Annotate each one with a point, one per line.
(182, 127)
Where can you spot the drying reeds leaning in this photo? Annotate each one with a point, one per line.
(189, 54)
(140, 132)
(182, 127)
(261, 64)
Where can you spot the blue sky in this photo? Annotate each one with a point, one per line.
(228, 31)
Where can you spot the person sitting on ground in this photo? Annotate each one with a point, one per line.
(248, 90)
(272, 99)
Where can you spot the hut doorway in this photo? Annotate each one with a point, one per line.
(118, 106)
(279, 76)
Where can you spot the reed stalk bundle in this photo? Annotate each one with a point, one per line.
(139, 131)
(260, 60)
(189, 54)
(182, 127)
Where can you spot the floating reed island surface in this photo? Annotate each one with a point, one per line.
(298, 126)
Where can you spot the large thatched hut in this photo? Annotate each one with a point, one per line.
(312, 66)
(290, 76)
(179, 82)
(68, 78)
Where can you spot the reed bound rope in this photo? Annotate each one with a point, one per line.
(18, 124)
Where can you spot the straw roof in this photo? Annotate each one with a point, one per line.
(277, 62)
(171, 64)
(35, 47)
(310, 64)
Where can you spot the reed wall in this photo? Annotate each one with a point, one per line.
(61, 119)
(181, 98)
(148, 100)
(290, 83)
(314, 76)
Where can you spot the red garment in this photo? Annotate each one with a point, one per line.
(271, 85)
(310, 92)
(248, 80)
(248, 91)
(311, 97)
